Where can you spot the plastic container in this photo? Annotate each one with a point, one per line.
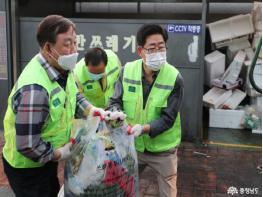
(221, 118)
(230, 28)
(214, 66)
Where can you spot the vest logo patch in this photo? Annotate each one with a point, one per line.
(131, 89)
(56, 102)
(89, 87)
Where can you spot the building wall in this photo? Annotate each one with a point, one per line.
(27, 8)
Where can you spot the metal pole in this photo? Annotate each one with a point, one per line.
(230, 8)
(252, 67)
(10, 52)
(12, 42)
(168, 8)
(201, 82)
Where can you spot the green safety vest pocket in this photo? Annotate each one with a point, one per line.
(129, 106)
(156, 106)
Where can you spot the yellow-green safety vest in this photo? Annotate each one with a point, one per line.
(92, 89)
(62, 105)
(157, 100)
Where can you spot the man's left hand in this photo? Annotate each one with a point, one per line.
(137, 130)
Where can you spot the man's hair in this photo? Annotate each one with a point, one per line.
(95, 56)
(50, 27)
(148, 30)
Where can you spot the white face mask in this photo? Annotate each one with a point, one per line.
(96, 76)
(67, 62)
(155, 61)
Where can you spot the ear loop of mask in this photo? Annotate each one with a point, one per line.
(52, 55)
(144, 61)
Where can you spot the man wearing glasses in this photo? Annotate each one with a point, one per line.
(150, 92)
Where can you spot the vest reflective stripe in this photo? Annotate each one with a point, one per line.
(112, 71)
(88, 81)
(55, 91)
(165, 87)
(62, 106)
(157, 100)
(131, 81)
(92, 89)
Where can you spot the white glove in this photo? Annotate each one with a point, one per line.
(65, 152)
(115, 115)
(61, 191)
(97, 110)
(137, 130)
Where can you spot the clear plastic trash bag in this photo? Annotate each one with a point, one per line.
(103, 162)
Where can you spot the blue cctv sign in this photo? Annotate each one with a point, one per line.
(184, 28)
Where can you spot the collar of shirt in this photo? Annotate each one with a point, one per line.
(155, 73)
(53, 73)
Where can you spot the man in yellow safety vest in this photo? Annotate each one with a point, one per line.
(150, 92)
(96, 75)
(41, 107)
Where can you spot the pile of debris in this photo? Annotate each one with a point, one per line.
(234, 41)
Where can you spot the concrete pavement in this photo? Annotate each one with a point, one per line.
(209, 174)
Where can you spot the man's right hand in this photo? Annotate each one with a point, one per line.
(63, 152)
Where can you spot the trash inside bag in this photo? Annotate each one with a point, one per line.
(103, 161)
